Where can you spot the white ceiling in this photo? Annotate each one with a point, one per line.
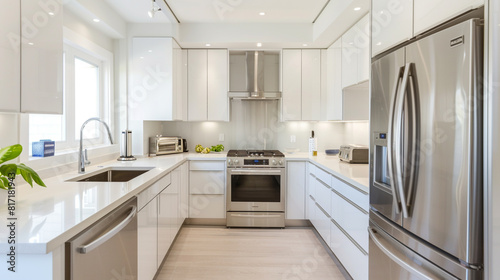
(242, 11)
(136, 11)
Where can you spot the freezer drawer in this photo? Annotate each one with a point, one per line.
(391, 260)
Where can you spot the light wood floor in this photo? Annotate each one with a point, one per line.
(240, 254)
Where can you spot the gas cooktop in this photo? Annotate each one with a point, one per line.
(255, 153)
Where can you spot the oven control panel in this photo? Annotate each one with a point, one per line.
(254, 162)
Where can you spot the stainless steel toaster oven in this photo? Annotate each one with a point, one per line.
(354, 153)
(163, 145)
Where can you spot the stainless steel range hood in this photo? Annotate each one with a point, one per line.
(254, 75)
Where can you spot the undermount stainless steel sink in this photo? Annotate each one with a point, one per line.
(112, 175)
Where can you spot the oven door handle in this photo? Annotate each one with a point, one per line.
(270, 171)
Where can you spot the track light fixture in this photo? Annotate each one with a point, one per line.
(154, 9)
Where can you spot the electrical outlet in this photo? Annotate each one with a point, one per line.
(293, 139)
(221, 137)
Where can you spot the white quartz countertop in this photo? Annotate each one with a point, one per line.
(352, 173)
(48, 217)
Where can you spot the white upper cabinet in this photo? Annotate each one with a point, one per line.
(301, 84)
(292, 85)
(334, 82)
(197, 85)
(41, 57)
(217, 85)
(156, 91)
(349, 58)
(362, 41)
(356, 53)
(392, 23)
(311, 85)
(207, 85)
(10, 56)
(430, 13)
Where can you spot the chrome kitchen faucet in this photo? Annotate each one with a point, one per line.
(83, 159)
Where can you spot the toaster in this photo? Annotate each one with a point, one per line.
(354, 153)
(163, 145)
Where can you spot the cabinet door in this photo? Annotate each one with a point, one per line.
(349, 58)
(311, 85)
(167, 217)
(296, 190)
(218, 109)
(334, 82)
(207, 206)
(41, 57)
(184, 204)
(292, 85)
(429, 13)
(147, 243)
(179, 107)
(392, 23)
(362, 43)
(197, 85)
(10, 56)
(152, 95)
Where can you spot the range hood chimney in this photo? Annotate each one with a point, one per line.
(254, 78)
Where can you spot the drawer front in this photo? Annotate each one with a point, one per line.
(352, 258)
(207, 182)
(351, 219)
(323, 224)
(145, 196)
(210, 165)
(207, 206)
(353, 194)
(323, 197)
(323, 176)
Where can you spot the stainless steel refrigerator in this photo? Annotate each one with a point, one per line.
(426, 213)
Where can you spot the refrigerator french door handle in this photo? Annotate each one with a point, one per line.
(397, 143)
(414, 120)
(397, 257)
(390, 155)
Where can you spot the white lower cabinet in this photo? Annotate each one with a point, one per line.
(162, 210)
(295, 190)
(147, 242)
(339, 212)
(352, 258)
(207, 181)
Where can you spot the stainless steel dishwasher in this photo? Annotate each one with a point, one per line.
(107, 249)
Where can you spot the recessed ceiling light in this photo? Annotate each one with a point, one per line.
(96, 20)
(262, 13)
(142, 57)
(150, 50)
(357, 8)
(31, 43)
(379, 43)
(259, 45)
(305, 45)
(207, 45)
(51, 13)
(351, 43)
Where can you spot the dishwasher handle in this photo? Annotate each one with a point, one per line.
(84, 249)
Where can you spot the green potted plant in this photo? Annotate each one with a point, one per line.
(11, 170)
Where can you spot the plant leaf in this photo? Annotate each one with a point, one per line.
(32, 173)
(4, 183)
(10, 152)
(26, 175)
(7, 169)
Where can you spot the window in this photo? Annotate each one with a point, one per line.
(85, 96)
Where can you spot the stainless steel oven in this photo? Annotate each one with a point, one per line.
(255, 189)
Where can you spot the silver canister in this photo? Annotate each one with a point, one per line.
(126, 146)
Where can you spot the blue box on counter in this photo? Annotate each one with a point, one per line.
(43, 148)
